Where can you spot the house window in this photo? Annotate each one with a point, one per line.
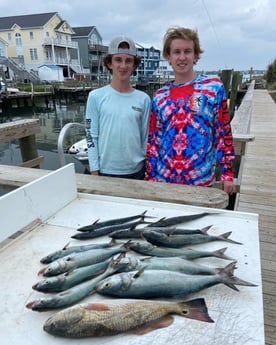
(33, 54)
(18, 40)
(9, 36)
(47, 34)
(31, 35)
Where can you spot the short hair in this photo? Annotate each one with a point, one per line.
(181, 33)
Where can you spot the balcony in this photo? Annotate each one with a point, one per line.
(97, 48)
(60, 43)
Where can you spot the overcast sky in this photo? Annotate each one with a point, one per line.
(236, 34)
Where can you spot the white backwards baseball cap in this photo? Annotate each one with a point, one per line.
(114, 46)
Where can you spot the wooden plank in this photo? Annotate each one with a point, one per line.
(33, 162)
(257, 194)
(11, 176)
(18, 129)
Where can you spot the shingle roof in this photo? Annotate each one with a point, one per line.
(83, 30)
(26, 21)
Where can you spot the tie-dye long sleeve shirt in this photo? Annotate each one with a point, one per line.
(189, 133)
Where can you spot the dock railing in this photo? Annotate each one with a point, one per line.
(25, 131)
(240, 125)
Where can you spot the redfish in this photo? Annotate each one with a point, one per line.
(140, 317)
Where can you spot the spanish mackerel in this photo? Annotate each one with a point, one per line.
(164, 284)
(106, 230)
(146, 248)
(178, 240)
(97, 224)
(105, 318)
(180, 219)
(137, 233)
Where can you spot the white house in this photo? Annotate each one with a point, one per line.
(50, 73)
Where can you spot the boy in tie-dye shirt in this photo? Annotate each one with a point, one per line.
(190, 123)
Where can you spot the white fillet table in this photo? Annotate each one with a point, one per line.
(40, 217)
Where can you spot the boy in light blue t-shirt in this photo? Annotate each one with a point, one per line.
(117, 117)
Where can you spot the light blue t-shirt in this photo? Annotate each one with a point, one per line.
(117, 130)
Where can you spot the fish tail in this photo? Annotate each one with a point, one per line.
(143, 215)
(196, 309)
(205, 229)
(228, 278)
(220, 254)
(224, 237)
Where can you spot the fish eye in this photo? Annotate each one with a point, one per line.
(185, 311)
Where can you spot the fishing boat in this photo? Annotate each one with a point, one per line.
(78, 149)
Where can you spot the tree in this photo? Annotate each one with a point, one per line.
(270, 74)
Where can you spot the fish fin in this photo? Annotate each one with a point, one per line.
(225, 236)
(143, 215)
(96, 306)
(220, 254)
(66, 246)
(138, 273)
(112, 242)
(134, 226)
(228, 278)
(154, 223)
(147, 258)
(116, 261)
(206, 229)
(196, 309)
(43, 269)
(126, 245)
(163, 322)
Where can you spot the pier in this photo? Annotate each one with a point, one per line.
(257, 193)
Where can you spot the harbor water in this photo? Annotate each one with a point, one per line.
(51, 120)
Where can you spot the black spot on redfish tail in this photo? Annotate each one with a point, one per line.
(196, 309)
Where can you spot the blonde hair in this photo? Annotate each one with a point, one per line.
(184, 34)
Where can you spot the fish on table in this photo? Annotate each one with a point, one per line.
(137, 233)
(171, 221)
(147, 248)
(165, 284)
(103, 231)
(110, 222)
(66, 280)
(179, 240)
(66, 250)
(178, 264)
(74, 260)
(106, 318)
(71, 296)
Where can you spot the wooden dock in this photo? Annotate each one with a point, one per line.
(258, 195)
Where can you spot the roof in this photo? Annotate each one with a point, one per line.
(83, 30)
(26, 21)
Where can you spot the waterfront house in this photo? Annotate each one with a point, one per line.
(92, 50)
(39, 39)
